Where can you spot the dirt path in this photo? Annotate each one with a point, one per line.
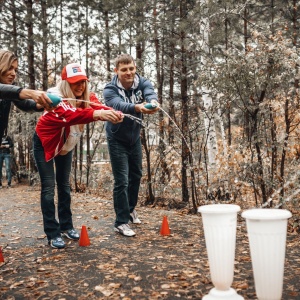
(148, 266)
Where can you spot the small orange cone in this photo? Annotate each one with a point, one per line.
(84, 238)
(165, 230)
(1, 256)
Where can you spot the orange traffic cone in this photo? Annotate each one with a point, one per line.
(1, 256)
(165, 230)
(84, 238)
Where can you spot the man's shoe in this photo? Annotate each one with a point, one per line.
(71, 234)
(125, 230)
(9, 186)
(0, 186)
(134, 218)
(57, 243)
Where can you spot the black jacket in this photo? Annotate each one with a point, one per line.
(6, 140)
(9, 94)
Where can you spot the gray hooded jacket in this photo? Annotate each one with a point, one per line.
(124, 100)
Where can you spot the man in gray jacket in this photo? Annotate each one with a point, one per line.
(127, 92)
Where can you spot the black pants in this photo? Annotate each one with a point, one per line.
(126, 162)
(48, 175)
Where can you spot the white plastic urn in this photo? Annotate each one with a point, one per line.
(267, 230)
(219, 224)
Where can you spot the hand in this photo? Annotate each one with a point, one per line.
(109, 115)
(142, 109)
(39, 97)
(155, 103)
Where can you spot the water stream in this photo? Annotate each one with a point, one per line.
(174, 123)
(140, 121)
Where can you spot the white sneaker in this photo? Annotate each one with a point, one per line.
(125, 230)
(134, 218)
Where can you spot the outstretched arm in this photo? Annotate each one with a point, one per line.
(108, 115)
(15, 93)
(39, 97)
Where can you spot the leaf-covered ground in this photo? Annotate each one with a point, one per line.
(148, 266)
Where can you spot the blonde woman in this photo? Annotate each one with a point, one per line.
(57, 133)
(13, 94)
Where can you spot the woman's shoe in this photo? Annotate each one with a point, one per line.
(57, 243)
(71, 234)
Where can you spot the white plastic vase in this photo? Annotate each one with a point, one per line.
(267, 230)
(219, 224)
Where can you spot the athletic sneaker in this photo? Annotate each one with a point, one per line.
(134, 218)
(57, 243)
(125, 230)
(71, 234)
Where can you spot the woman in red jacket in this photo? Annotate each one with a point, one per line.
(57, 133)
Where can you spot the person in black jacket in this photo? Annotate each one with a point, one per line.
(5, 156)
(10, 93)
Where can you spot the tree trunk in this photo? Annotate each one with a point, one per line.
(184, 103)
(88, 138)
(139, 52)
(260, 169)
(150, 198)
(285, 145)
(75, 167)
(107, 45)
(14, 29)
(245, 27)
(160, 77)
(61, 34)
(44, 45)
(228, 108)
(30, 45)
(295, 39)
(209, 113)
(273, 149)
(171, 81)
(80, 160)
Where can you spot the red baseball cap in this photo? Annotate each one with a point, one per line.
(73, 73)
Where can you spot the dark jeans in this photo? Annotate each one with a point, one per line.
(126, 162)
(48, 176)
(6, 157)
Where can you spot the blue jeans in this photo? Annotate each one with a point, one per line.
(126, 163)
(6, 157)
(48, 176)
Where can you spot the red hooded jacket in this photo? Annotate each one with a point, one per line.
(54, 127)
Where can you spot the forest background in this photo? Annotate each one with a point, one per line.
(227, 76)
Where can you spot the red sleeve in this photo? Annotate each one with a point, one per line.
(66, 115)
(96, 104)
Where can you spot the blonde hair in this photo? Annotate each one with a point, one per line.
(6, 59)
(66, 92)
(123, 59)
